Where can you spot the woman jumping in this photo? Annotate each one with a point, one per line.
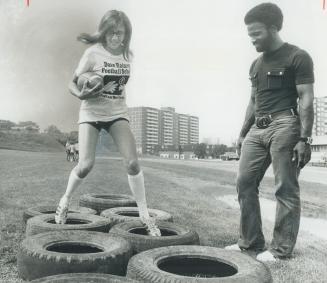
(105, 108)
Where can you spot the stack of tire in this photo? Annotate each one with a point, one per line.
(82, 251)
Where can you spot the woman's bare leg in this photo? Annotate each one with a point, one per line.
(87, 137)
(124, 139)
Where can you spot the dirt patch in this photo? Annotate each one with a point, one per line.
(314, 226)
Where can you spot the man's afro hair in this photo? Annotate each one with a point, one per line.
(267, 13)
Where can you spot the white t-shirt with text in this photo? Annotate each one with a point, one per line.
(115, 71)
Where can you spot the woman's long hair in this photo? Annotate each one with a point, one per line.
(109, 21)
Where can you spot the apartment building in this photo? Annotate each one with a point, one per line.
(167, 126)
(162, 127)
(144, 122)
(320, 116)
(183, 129)
(193, 130)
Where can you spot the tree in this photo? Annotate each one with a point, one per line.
(200, 150)
(52, 130)
(218, 150)
(6, 124)
(73, 137)
(180, 151)
(29, 125)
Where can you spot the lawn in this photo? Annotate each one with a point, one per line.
(188, 193)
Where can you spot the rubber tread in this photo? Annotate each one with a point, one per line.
(114, 214)
(84, 278)
(100, 202)
(35, 261)
(139, 243)
(40, 209)
(39, 224)
(143, 266)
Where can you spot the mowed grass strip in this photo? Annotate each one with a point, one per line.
(189, 194)
(313, 195)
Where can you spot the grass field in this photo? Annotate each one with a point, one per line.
(188, 193)
(29, 141)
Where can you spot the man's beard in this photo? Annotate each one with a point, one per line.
(265, 44)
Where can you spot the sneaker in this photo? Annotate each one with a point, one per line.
(151, 227)
(234, 247)
(266, 256)
(62, 210)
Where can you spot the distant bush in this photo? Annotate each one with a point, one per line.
(29, 141)
(61, 137)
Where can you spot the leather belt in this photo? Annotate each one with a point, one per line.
(263, 122)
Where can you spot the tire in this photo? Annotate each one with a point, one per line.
(185, 264)
(84, 278)
(50, 209)
(72, 252)
(75, 221)
(123, 214)
(172, 234)
(100, 202)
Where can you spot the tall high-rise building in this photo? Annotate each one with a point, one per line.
(183, 129)
(193, 130)
(162, 127)
(320, 116)
(167, 126)
(144, 122)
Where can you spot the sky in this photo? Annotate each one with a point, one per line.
(193, 55)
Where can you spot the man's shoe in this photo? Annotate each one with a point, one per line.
(266, 256)
(234, 247)
(62, 210)
(151, 226)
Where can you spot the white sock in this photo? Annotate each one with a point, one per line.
(266, 256)
(234, 247)
(136, 184)
(73, 182)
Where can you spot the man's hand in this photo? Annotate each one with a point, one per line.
(239, 145)
(301, 154)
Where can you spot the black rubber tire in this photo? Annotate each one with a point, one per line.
(144, 266)
(100, 202)
(84, 278)
(49, 209)
(46, 222)
(118, 214)
(37, 256)
(172, 234)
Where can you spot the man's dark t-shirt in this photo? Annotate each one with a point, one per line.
(274, 77)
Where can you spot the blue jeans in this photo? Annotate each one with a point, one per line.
(260, 148)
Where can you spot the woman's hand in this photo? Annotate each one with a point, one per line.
(87, 92)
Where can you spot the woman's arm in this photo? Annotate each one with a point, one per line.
(85, 92)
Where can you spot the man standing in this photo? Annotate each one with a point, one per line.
(277, 129)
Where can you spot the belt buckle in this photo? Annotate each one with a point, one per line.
(263, 122)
